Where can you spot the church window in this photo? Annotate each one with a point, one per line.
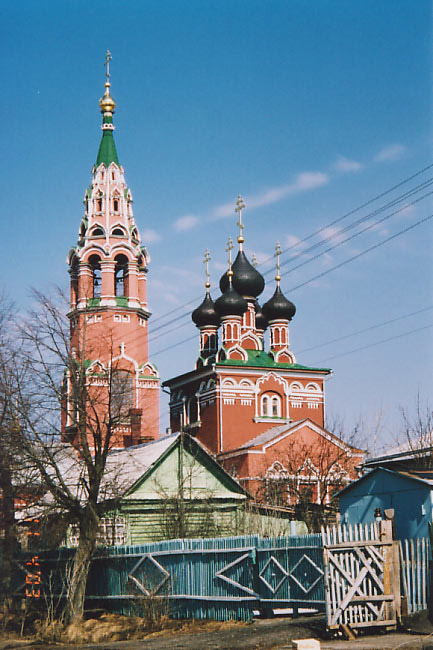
(271, 405)
(97, 232)
(116, 205)
(95, 264)
(276, 491)
(118, 232)
(121, 393)
(99, 202)
(120, 275)
(112, 176)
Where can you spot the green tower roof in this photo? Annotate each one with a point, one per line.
(107, 149)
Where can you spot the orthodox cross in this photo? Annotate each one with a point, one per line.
(206, 261)
(240, 205)
(277, 255)
(108, 58)
(229, 251)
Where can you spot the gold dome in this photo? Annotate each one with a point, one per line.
(107, 103)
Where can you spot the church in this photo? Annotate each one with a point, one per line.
(257, 411)
(260, 412)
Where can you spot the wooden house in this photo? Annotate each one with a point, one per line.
(169, 488)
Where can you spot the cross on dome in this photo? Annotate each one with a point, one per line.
(108, 58)
(277, 255)
(106, 102)
(229, 251)
(240, 205)
(206, 260)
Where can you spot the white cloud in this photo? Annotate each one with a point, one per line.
(393, 152)
(345, 165)
(149, 236)
(220, 266)
(333, 235)
(186, 222)
(294, 242)
(303, 182)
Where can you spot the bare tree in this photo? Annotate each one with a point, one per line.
(8, 464)
(52, 384)
(310, 473)
(417, 432)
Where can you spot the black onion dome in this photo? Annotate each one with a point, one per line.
(231, 303)
(246, 280)
(261, 320)
(278, 307)
(205, 314)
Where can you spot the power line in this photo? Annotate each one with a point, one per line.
(356, 234)
(320, 230)
(158, 336)
(320, 275)
(357, 209)
(371, 345)
(366, 329)
(174, 345)
(330, 248)
(323, 241)
(358, 255)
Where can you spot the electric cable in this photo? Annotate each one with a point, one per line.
(323, 228)
(366, 329)
(371, 345)
(362, 253)
(356, 234)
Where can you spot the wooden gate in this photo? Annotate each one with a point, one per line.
(361, 575)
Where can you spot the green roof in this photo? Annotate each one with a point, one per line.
(261, 359)
(107, 149)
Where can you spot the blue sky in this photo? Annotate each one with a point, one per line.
(308, 109)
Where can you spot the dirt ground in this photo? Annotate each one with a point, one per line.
(268, 634)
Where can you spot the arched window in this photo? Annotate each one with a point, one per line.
(121, 394)
(270, 405)
(95, 264)
(116, 205)
(99, 202)
(97, 232)
(118, 232)
(74, 281)
(120, 275)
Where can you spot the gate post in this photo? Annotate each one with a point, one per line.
(391, 569)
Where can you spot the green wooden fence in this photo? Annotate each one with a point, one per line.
(221, 578)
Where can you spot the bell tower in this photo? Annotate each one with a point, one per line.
(108, 305)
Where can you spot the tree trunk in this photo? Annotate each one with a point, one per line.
(74, 608)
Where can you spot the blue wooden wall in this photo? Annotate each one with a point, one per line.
(382, 488)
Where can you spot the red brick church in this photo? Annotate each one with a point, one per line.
(259, 411)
